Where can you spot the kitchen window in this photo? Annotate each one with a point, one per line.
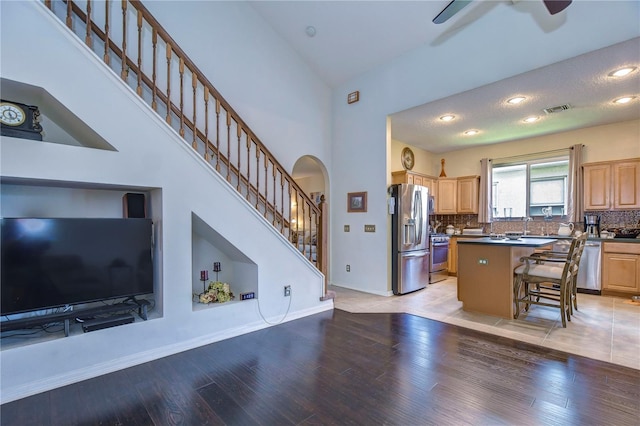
(536, 188)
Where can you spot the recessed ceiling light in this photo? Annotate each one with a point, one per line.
(516, 100)
(531, 119)
(471, 132)
(622, 72)
(624, 100)
(447, 117)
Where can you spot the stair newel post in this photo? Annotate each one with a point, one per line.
(168, 83)
(206, 123)
(218, 135)
(194, 84)
(87, 38)
(106, 56)
(139, 87)
(123, 72)
(154, 90)
(322, 243)
(181, 71)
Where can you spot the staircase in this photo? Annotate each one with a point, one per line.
(134, 45)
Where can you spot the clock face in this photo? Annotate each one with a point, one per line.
(11, 114)
(407, 158)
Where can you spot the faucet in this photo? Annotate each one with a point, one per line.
(526, 220)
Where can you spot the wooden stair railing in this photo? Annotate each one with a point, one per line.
(162, 75)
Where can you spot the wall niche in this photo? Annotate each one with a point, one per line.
(236, 269)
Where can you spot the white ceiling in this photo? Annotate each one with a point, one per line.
(353, 37)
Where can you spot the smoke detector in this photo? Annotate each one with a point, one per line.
(559, 108)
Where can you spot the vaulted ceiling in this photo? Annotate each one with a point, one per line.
(350, 38)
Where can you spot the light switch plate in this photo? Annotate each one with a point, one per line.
(369, 228)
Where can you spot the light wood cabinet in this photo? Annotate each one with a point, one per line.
(406, 176)
(468, 194)
(612, 185)
(447, 196)
(452, 262)
(621, 268)
(626, 185)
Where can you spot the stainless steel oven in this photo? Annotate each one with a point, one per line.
(439, 248)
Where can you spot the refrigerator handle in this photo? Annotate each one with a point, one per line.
(418, 207)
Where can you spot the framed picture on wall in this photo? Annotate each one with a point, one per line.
(357, 202)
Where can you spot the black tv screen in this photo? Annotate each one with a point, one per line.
(48, 263)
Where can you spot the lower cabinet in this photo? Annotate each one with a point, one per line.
(621, 268)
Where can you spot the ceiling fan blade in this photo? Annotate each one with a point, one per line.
(555, 6)
(452, 8)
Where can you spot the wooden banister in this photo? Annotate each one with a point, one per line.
(192, 108)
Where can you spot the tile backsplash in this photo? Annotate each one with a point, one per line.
(608, 219)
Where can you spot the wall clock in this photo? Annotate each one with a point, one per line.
(20, 120)
(407, 158)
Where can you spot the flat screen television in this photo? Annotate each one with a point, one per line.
(49, 263)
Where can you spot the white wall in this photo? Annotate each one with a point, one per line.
(361, 144)
(151, 155)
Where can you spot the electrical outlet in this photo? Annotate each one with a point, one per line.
(483, 261)
(347, 228)
(348, 268)
(287, 290)
(369, 228)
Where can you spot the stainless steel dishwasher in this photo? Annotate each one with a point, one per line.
(589, 273)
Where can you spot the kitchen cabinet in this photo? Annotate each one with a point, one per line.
(612, 185)
(621, 268)
(457, 195)
(452, 262)
(468, 194)
(447, 196)
(406, 176)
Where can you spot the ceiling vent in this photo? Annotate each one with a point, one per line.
(558, 108)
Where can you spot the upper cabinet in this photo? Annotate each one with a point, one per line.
(452, 195)
(468, 194)
(406, 176)
(612, 185)
(457, 195)
(447, 200)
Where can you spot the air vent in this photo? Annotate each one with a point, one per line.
(558, 108)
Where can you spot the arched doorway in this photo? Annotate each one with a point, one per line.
(311, 176)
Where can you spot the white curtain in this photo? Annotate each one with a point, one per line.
(485, 207)
(575, 207)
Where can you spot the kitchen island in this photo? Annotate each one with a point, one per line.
(485, 272)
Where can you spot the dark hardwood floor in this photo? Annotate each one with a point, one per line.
(349, 369)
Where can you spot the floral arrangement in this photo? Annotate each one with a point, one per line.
(217, 292)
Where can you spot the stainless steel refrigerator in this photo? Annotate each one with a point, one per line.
(409, 238)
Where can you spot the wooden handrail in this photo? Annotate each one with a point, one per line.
(183, 96)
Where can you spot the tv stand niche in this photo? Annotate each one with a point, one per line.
(82, 314)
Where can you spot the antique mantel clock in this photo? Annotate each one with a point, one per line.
(20, 121)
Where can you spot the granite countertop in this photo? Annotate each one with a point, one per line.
(555, 237)
(520, 242)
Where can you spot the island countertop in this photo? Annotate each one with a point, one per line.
(520, 242)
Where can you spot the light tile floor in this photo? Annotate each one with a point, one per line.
(604, 328)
